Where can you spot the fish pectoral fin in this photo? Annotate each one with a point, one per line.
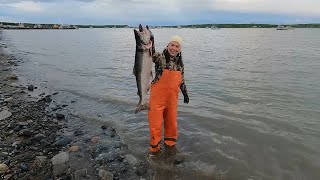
(141, 107)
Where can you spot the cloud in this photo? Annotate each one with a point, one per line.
(27, 6)
(289, 7)
(159, 11)
(40, 1)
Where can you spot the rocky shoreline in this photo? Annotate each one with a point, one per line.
(41, 139)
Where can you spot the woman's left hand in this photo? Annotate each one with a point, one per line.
(186, 99)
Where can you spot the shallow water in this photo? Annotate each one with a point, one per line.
(254, 110)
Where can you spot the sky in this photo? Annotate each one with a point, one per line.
(160, 12)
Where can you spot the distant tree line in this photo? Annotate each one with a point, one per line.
(182, 26)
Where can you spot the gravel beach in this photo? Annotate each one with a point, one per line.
(41, 139)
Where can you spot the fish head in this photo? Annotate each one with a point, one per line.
(144, 37)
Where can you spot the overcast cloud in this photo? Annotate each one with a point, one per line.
(160, 12)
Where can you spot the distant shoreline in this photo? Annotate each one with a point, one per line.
(11, 25)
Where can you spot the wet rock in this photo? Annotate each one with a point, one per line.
(47, 99)
(16, 129)
(131, 159)
(60, 158)
(104, 127)
(112, 132)
(141, 169)
(42, 94)
(52, 137)
(8, 176)
(178, 160)
(63, 142)
(74, 149)
(5, 114)
(22, 124)
(30, 88)
(95, 139)
(60, 116)
(78, 133)
(8, 99)
(29, 121)
(3, 155)
(59, 169)
(14, 85)
(16, 143)
(25, 132)
(40, 161)
(105, 175)
(102, 148)
(55, 93)
(120, 158)
(34, 148)
(24, 167)
(12, 77)
(73, 101)
(79, 174)
(39, 136)
(44, 143)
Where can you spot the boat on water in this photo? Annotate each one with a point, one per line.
(282, 27)
(214, 27)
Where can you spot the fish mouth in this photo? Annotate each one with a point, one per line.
(149, 45)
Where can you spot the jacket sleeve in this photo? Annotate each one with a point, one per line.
(156, 57)
(183, 86)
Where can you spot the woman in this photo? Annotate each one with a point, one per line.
(164, 93)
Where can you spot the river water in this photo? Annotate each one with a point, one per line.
(254, 110)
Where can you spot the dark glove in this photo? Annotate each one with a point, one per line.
(186, 98)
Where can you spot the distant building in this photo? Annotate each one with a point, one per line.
(21, 25)
(55, 27)
(38, 26)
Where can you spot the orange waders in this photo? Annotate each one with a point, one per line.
(163, 104)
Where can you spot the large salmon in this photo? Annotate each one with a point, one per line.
(143, 64)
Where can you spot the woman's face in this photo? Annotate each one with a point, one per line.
(174, 48)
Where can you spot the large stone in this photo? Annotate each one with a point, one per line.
(59, 169)
(31, 88)
(131, 159)
(5, 114)
(39, 136)
(60, 158)
(14, 85)
(74, 149)
(79, 174)
(12, 77)
(3, 168)
(40, 161)
(63, 142)
(105, 175)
